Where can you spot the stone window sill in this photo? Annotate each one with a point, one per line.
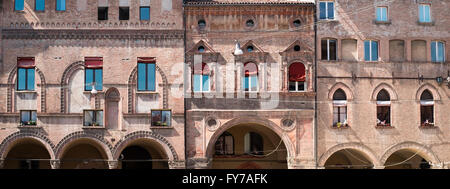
(388, 126)
(382, 22)
(29, 126)
(423, 126)
(147, 92)
(161, 127)
(26, 92)
(425, 23)
(340, 127)
(93, 127)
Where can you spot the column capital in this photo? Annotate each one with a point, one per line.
(199, 163)
(177, 164)
(55, 163)
(2, 163)
(113, 164)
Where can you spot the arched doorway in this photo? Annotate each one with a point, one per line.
(112, 108)
(28, 154)
(249, 146)
(348, 159)
(406, 159)
(143, 154)
(84, 154)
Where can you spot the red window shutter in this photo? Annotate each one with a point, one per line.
(250, 69)
(93, 62)
(297, 72)
(146, 60)
(25, 62)
(201, 70)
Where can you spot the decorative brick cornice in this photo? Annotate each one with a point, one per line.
(91, 34)
(144, 134)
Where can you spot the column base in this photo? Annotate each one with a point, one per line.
(179, 164)
(199, 163)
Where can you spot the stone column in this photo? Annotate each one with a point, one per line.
(299, 163)
(113, 164)
(177, 164)
(55, 163)
(2, 163)
(379, 167)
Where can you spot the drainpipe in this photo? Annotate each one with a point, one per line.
(184, 88)
(315, 138)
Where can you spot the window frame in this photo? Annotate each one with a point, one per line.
(340, 104)
(106, 14)
(140, 13)
(371, 50)
(224, 143)
(386, 8)
(93, 78)
(201, 83)
(36, 6)
(436, 53)
(23, 5)
(327, 17)
(146, 77)
(94, 117)
(297, 82)
(26, 79)
(56, 4)
(424, 15)
(328, 49)
(250, 143)
(249, 79)
(30, 114)
(127, 11)
(161, 113)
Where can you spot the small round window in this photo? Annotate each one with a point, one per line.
(201, 24)
(297, 48)
(201, 49)
(250, 49)
(250, 23)
(297, 23)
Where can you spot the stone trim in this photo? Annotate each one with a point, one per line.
(366, 151)
(36, 134)
(83, 134)
(388, 88)
(65, 82)
(147, 135)
(421, 149)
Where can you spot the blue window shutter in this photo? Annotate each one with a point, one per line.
(30, 79)
(21, 78)
(441, 52)
(254, 81)
(433, 51)
(322, 6)
(427, 13)
(374, 51)
(367, 50)
(245, 84)
(89, 78)
(141, 77)
(205, 82)
(197, 82)
(145, 13)
(151, 77)
(40, 5)
(18, 5)
(330, 10)
(99, 79)
(421, 11)
(61, 5)
(379, 13)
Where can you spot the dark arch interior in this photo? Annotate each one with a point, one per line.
(426, 95)
(383, 95)
(348, 159)
(84, 156)
(28, 155)
(136, 157)
(339, 95)
(406, 159)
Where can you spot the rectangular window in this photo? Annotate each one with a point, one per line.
(146, 77)
(124, 13)
(382, 14)
(339, 116)
(437, 51)
(371, 50)
(426, 115)
(144, 13)
(329, 49)
(296, 86)
(28, 117)
(93, 118)
(326, 10)
(424, 13)
(161, 117)
(40, 5)
(25, 74)
(250, 83)
(93, 73)
(60, 5)
(201, 83)
(102, 13)
(18, 5)
(383, 115)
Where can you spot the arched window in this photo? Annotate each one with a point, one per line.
(339, 109)
(225, 144)
(201, 78)
(383, 108)
(297, 77)
(253, 144)
(426, 109)
(250, 81)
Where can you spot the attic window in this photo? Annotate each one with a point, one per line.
(297, 48)
(250, 48)
(124, 13)
(250, 23)
(201, 49)
(297, 23)
(201, 24)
